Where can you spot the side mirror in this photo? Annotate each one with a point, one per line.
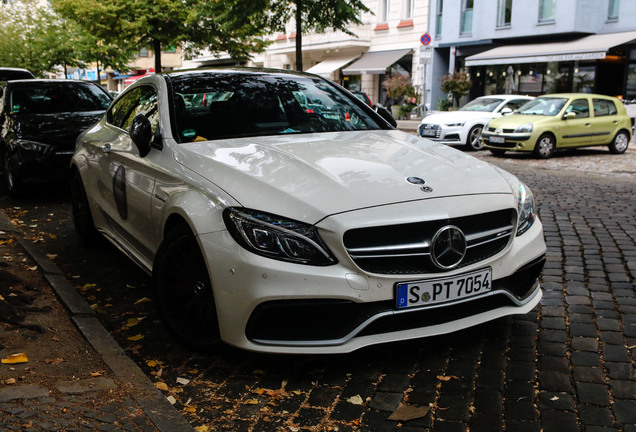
(506, 111)
(569, 116)
(385, 114)
(141, 134)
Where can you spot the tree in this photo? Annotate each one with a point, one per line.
(314, 15)
(220, 25)
(457, 84)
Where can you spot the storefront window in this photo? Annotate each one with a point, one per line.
(630, 90)
(583, 81)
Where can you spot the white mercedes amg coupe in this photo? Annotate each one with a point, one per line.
(277, 212)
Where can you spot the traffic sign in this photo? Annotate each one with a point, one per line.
(425, 39)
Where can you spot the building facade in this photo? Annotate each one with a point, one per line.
(535, 46)
(387, 42)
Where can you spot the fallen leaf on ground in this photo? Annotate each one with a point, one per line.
(51, 256)
(183, 381)
(172, 400)
(356, 400)
(409, 412)
(151, 363)
(191, 409)
(10, 381)
(54, 361)
(136, 337)
(142, 300)
(15, 359)
(202, 428)
(34, 268)
(250, 402)
(161, 386)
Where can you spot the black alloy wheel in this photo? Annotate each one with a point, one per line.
(11, 180)
(82, 217)
(183, 291)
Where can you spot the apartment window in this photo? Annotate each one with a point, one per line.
(467, 17)
(504, 13)
(612, 13)
(438, 20)
(384, 11)
(407, 12)
(547, 10)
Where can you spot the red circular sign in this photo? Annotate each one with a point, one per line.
(425, 39)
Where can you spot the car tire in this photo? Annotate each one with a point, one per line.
(544, 148)
(183, 291)
(619, 143)
(11, 179)
(80, 208)
(497, 152)
(473, 140)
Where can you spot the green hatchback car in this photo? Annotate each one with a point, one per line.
(560, 121)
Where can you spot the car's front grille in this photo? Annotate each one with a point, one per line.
(427, 130)
(406, 248)
(508, 131)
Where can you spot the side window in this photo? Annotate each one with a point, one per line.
(604, 107)
(580, 107)
(140, 100)
(515, 103)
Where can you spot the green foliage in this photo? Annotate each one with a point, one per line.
(457, 84)
(230, 26)
(444, 104)
(318, 16)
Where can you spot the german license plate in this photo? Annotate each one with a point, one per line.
(428, 132)
(496, 139)
(427, 292)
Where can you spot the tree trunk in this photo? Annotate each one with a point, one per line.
(299, 35)
(156, 47)
(65, 71)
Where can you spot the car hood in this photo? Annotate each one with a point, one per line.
(55, 129)
(308, 177)
(514, 120)
(456, 116)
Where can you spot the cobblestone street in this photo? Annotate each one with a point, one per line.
(569, 365)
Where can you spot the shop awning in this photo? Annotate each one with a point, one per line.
(375, 62)
(133, 78)
(592, 47)
(326, 67)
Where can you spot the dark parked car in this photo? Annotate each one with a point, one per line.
(384, 113)
(40, 122)
(9, 74)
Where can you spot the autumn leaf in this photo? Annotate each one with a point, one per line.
(136, 337)
(15, 359)
(142, 300)
(54, 361)
(151, 363)
(96, 374)
(250, 402)
(161, 386)
(190, 409)
(202, 428)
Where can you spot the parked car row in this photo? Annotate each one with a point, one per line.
(540, 126)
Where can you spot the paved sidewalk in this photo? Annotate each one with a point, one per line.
(75, 377)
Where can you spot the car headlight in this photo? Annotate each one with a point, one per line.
(524, 128)
(455, 124)
(276, 237)
(526, 208)
(525, 202)
(33, 146)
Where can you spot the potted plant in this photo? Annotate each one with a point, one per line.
(399, 89)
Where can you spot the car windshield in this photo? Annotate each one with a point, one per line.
(230, 104)
(482, 104)
(546, 106)
(53, 98)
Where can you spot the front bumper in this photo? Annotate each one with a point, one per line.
(508, 141)
(273, 306)
(41, 167)
(442, 133)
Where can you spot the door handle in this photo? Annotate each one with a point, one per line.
(588, 124)
(106, 148)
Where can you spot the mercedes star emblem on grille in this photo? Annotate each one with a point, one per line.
(449, 247)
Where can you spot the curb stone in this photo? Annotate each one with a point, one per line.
(160, 412)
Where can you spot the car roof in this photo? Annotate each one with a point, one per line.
(506, 96)
(47, 80)
(575, 95)
(237, 70)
